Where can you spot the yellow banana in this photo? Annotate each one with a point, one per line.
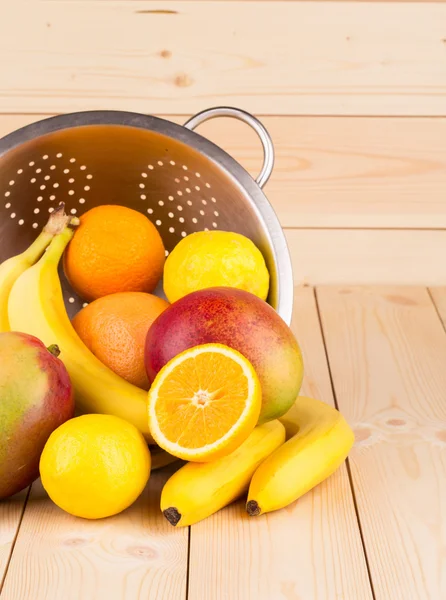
(198, 490)
(11, 269)
(36, 307)
(320, 442)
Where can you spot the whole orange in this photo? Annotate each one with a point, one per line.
(114, 328)
(114, 249)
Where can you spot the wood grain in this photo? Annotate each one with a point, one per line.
(387, 354)
(312, 549)
(355, 256)
(338, 172)
(11, 511)
(135, 555)
(438, 295)
(349, 58)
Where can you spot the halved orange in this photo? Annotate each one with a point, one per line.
(204, 403)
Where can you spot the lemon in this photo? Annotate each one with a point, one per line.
(215, 258)
(95, 466)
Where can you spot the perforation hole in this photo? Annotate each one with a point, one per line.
(53, 197)
(7, 194)
(82, 167)
(66, 171)
(72, 160)
(81, 200)
(197, 187)
(181, 219)
(59, 155)
(171, 198)
(194, 220)
(71, 180)
(45, 157)
(151, 167)
(71, 192)
(214, 225)
(47, 177)
(150, 211)
(143, 197)
(89, 176)
(52, 167)
(179, 192)
(8, 205)
(204, 202)
(176, 180)
(185, 167)
(208, 185)
(183, 234)
(172, 229)
(202, 213)
(87, 188)
(13, 215)
(189, 202)
(143, 174)
(197, 175)
(160, 162)
(170, 215)
(216, 213)
(172, 162)
(158, 222)
(161, 203)
(73, 211)
(35, 225)
(36, 211)
(179, 207)
(21, 222)
(43, 186)
(12, 182)
(55, 185)
(20, 171)
(33, 180)
(213, 200)
(51, 209)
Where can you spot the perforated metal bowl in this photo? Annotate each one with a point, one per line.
(182, 181)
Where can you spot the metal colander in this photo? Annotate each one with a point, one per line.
(180, 180)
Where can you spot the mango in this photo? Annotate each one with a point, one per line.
(242, 321)
(36, 397)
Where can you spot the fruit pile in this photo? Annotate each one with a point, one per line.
(211, 375)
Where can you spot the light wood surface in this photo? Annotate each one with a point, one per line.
(394, 257)
(387, 354)
(312, 549)
(269, 57)
(135, 555)
(11, 512)
(338, 172)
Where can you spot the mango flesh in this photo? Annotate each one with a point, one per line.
(242, 321)
(35, 398)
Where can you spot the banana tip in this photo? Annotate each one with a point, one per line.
(253, 509)
(172, 515)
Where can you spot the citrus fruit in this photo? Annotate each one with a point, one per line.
(215, 258)
(95, 466)
(114, 328)
(204, 403)
(114, 249)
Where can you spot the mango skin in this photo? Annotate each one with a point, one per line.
(242, 321)
(36, 397)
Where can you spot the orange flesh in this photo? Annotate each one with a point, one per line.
(201, 400)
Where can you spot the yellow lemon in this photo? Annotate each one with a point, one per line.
(215, 258)
(95, 466)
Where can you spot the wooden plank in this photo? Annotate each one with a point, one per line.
(341, 171)
(438, 295)
(387, 352)
(349, 58)
(133, 556)
(355, 256)
(312, 549)
(11, 512)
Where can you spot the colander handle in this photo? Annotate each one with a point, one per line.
(241, 115)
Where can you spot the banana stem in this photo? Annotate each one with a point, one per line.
(55, 225)
(58, 245)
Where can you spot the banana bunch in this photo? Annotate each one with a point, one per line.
(276, 472)
(36, 307)
(11, 269)
(198, 490)
(320, 440)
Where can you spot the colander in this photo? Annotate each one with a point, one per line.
(179, 179)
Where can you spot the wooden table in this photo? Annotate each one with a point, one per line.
(353, 94)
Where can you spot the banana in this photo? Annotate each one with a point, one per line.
(320, 442)
(198, 490)
(11, 269)
(36, 307)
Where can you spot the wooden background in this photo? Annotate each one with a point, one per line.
(354, 96)
(353, 93)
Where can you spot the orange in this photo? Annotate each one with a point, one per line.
(114, 249)
(204, 403)
(114, 328)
